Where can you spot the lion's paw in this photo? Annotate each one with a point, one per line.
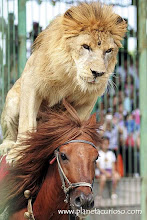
(6, 146)
(12, 157)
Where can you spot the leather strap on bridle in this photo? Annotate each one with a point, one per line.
(78, 141)
(63, 177)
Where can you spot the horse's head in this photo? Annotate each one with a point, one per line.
(76, 161)
(73, 142)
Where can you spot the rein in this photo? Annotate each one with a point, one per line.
(29, 214)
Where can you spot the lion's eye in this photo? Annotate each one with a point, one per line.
(63, 156)
(109, 50)
(86, 47)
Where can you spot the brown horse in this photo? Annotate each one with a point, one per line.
(61, 152)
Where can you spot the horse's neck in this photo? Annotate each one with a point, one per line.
(50, 197)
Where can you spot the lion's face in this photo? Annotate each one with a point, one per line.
(95, 59)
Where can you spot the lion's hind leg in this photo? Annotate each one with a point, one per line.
(9, 119)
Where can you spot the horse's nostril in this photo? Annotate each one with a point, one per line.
(91, 205)
(90, 201)
(78, 202)
(84, 201)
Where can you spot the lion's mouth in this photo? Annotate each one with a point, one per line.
(93, 81)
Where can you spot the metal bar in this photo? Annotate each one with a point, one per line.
(14, 74)
(21, 35)
(135, 104)
(3, 37)
(142, 31)
(8, 48)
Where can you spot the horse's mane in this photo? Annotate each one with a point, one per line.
(30, 170)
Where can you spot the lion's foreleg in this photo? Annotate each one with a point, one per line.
(29, 106)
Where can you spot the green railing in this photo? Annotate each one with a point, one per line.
(142, 43)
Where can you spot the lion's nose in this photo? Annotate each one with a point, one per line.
(97, 74)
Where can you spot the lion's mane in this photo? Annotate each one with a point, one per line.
(51, 48)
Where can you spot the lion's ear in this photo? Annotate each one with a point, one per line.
(67, 14)
(120, 20)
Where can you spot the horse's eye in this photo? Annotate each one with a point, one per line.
(63, 156)
(109, 50)
(86, 47)
(97, 157)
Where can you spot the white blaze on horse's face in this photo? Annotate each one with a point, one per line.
(95, 58)
(78, 163)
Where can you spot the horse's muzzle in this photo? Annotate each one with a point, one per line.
(83, 201)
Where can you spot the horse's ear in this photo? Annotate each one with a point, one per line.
(92, 119)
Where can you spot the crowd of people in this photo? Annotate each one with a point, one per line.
(121, 127)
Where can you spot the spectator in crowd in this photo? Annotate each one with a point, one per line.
(136, 115)
(111, 131)
(36, 30)
(122, 69)
(127, 103)
(106, 166)
(130, 124)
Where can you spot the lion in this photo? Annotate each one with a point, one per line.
(73, 58)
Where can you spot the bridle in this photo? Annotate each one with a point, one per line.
(29, 214)
(64, 178)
